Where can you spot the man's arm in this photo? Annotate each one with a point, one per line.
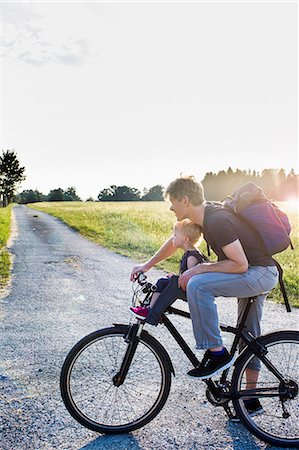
(236, 262)
(166, 250)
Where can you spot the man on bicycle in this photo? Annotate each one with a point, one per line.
(242, 270)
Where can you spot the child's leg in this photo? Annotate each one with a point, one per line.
(142, 311)
(155, 297)
(161, 284)
(166, 298)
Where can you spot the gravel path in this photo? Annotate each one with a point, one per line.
(64, 287)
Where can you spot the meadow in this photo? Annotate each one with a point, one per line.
(137, 229)
(5, 219)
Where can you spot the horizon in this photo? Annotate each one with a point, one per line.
(290, 199)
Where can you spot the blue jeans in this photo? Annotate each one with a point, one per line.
(203, 288)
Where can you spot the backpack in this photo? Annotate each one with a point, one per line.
(271, 224)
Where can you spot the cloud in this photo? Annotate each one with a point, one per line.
(25, 40)
(71, 53)
(17, 13)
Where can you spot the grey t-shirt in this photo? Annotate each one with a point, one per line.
(222, 226)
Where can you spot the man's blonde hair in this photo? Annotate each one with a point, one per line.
(190, 229)
(186, 186)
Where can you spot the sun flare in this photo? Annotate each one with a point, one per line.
(293, 203)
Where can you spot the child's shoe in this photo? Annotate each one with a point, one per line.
(140, 311)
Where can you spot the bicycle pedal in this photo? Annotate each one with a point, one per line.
(231, 415)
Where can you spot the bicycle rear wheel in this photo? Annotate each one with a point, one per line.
(277, 423)
(88, 390)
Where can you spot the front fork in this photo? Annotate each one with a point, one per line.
(132, 338)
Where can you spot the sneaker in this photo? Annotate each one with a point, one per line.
(253, 406)
(140, 312)
(212, 365)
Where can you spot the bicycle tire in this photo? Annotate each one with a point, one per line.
(270, 425)
(95, 357)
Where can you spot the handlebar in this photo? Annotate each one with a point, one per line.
(141, 279)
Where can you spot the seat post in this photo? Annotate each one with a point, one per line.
(241, 325)
(238, 333)
(246, 312)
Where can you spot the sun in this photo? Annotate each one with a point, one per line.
(293, 203)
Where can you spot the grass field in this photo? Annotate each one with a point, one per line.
(137, 229)
(5, 216)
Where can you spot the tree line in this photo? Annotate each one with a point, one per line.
(276, 183)
(55, 195)
(126, 193)
(111, 194)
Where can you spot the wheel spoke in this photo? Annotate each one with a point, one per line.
(271, 425)
(93, 398)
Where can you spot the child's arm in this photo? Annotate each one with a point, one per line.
(191, 261)
(166, 250)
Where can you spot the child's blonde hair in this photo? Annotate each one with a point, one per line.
(190, 229)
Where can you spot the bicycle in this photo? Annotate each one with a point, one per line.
(101, 368)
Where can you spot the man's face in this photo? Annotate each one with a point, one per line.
(179, 207)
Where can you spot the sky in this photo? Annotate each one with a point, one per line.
(136, 93)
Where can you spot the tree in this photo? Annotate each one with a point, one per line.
(70, 195)
(56, 195)
(291, 186)
(11, 174)
(154, 194)
(106, 195)
(211, 187)
(126, 194)
(30, 196)
(119, 194)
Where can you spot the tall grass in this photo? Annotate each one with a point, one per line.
(129, 228)
(5, 217)
(289, 259)
(137, 229)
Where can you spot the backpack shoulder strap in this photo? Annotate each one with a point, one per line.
(282, 286)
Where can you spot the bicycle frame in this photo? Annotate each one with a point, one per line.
(220, 390)
(240, 333)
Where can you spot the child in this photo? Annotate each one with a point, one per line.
(185, 236)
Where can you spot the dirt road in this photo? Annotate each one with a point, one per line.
(64, 287)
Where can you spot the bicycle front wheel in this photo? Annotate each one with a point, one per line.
(277, 421)
(88, 390)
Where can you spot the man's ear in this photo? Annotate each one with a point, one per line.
(185, 200)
